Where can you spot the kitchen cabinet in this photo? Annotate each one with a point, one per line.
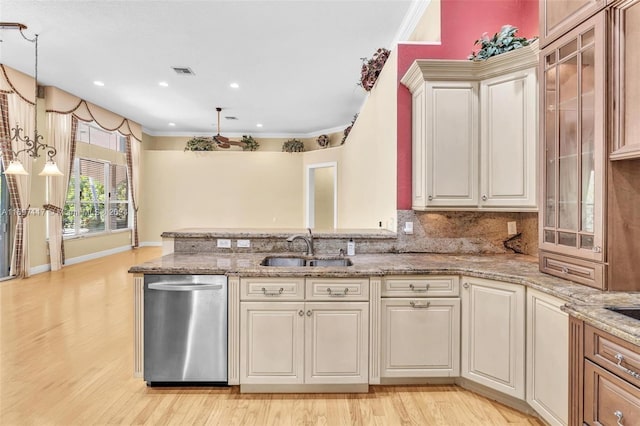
(307, 341)
(421, 337)
(625, 25)
(605, 377)
(557, 17)
(493, 335)
(420, 326)
(547, 357)
(474, 133)
(572, 90)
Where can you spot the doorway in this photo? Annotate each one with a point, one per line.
(322, 196)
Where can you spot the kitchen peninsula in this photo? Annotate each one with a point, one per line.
(390, 299)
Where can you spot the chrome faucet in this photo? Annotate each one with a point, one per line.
(308, 240)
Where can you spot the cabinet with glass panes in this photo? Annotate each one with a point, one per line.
(573, 158)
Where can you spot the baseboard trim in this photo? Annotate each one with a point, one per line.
(304, 388)
(39, 269)
(508, 400)
(151, 244)
(96, 255)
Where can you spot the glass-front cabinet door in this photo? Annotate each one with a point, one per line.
(573, 94)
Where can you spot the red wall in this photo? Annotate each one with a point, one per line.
(462, 22)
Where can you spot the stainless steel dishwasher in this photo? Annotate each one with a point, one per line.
(185, 329)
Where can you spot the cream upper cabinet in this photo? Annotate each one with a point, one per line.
(474, 134)
(547, 357)
(508, 141)
(493, 335)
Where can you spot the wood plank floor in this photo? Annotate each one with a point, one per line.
(66, 358)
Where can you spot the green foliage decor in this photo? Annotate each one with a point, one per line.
(200, 144)
(250, 143)
(501, 42)
(293, 145)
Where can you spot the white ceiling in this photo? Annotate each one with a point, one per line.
(297, 62)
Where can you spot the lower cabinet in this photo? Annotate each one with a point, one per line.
(420, 337)
(304, 342)
(547, 357)
(493, 335)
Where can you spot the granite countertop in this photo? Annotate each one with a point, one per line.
(582, 302)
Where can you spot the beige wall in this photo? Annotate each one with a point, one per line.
(220, 190)
(323, 197)
(428, 28)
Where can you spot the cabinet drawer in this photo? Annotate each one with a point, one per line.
(420, 286)
(620, 357)
(580, 271)
(609, 400)
(337, 289)
(272, 288)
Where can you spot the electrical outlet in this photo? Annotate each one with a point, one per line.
(224, 243)
(511, 228)
(243, 243)
(408, 227)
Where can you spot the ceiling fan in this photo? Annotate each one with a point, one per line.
(222, 141)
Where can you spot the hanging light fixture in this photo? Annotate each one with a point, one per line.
(34, 146)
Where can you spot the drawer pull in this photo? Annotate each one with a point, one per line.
(272, 293)
(632, 373)
(419, 290)
(565, 270)
(619, 416)
(416, 306)
(337, 294)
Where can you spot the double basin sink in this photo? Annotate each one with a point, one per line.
(304, 261)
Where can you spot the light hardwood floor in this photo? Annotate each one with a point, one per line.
(66, 358)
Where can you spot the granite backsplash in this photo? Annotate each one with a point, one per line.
(467, 232)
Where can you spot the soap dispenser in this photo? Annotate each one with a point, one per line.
(351, 247)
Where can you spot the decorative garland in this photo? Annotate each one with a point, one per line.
(348, 129)
(371, 68)
(293, 145)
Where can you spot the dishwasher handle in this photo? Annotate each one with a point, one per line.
(184, 287)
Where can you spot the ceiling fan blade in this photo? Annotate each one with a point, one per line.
(237, 143)
(220, 139)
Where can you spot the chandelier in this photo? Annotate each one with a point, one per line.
(32, 146)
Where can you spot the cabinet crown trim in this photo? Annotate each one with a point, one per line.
(440, 69)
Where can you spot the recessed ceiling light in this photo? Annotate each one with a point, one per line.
(259, 125)
(98, 83)
(172, 124)
(234, 85)
(163, 84)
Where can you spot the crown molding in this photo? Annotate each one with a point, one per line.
(258, 135)
(465, 70)
(411, 18)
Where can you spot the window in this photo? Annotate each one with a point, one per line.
(98, 198)
(93, 134)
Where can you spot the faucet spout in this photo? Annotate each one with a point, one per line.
(308, 240)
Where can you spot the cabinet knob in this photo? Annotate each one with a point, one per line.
(301, 312)
(597, 249)
(309, 313)
(485, 198)
(465, 285)
(619, 416)
(430, 197)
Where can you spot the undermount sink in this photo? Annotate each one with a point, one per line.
(283, 261)
(632, 312)
(301, 261)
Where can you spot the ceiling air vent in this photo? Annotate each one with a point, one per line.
(183, 71)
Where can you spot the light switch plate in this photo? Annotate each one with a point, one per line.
(243, 243)
(511, 228)
(224, 243)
